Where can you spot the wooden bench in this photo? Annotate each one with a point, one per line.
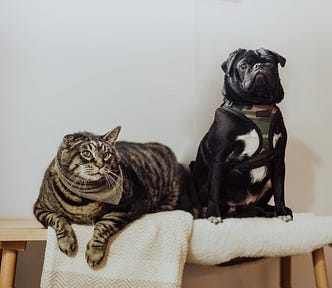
(14, 234)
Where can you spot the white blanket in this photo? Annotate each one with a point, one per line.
(212, 244)
(150, 252)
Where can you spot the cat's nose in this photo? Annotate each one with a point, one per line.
(100, 164)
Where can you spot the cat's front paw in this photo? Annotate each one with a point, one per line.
(94, 254)
(68, 244)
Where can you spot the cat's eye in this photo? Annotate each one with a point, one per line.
(107, 155)
(86, 154)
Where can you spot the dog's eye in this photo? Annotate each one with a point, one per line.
(243, 66)
(269, 64)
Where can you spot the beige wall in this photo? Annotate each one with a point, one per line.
(153, 66)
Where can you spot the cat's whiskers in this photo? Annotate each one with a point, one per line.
(114, 174)
(113, 182)
(72, 180)
(108, 181)
(85, 182)
(117, 184)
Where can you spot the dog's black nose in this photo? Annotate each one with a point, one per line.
(258, 66)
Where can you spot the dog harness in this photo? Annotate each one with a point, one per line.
(262, 118)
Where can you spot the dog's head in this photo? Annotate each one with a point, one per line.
(251, 77)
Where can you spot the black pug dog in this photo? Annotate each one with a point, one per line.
(240, 161)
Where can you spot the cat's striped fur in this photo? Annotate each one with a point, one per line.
(89, 170)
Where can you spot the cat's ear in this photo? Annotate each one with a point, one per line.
(71, 140)
(68, 140)
(113, 135)
(65, 148)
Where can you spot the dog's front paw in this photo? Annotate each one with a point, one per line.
(285, 215)
(213, 213)
(215, 220)
(285, 218)
(68, 244)
(94, 254)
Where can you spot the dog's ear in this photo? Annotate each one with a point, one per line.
(227, 65)
(282, 60)
(279, 58)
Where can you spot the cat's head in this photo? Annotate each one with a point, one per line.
(88, 156)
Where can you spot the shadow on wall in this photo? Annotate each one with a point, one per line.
(300, 175)
(253, 274)
(30, 265)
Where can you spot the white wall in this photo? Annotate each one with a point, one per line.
(153, 66)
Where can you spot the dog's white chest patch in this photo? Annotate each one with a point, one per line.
(276, 137)
(251, 142)
(258, 174)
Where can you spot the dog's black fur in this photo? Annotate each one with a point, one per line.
(223, 185)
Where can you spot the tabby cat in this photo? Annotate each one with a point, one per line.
(96, 180)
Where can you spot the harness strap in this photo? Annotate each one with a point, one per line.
(262, 118)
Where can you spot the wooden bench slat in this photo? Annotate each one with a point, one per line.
(21, 229)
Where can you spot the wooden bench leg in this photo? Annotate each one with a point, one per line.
(318, 259)
(8, 262)
(285, 272)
